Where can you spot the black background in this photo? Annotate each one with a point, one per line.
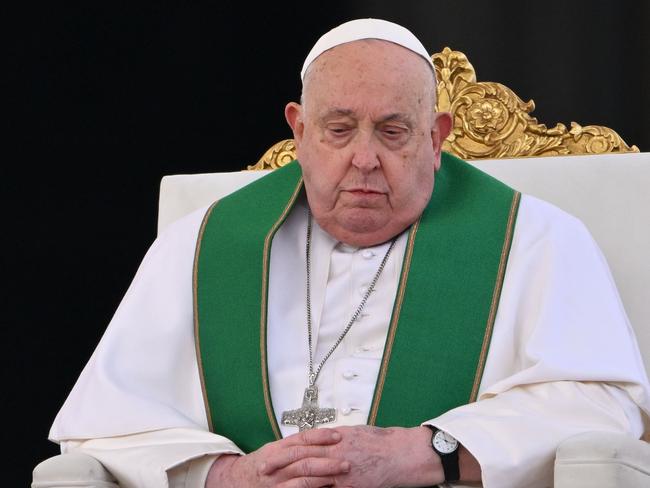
(104, 98)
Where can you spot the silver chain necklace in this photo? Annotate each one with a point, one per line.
(310, 415)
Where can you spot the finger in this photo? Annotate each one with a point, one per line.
(316, 467)
(313, 437)
(304, 461)
(289, 455)
(313, 482)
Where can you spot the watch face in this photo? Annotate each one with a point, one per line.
(444, 442)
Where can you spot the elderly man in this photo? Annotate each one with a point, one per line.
(433, 323)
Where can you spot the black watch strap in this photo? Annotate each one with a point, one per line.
(450, 466)
(449, 461)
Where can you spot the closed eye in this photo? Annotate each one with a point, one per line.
(395, 133)
(338, 130)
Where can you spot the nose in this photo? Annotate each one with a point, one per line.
(364, 154)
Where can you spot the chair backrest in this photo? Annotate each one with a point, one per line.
(609, 193)
(588, 171)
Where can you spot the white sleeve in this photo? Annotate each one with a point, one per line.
(563, 357)
(138, 404)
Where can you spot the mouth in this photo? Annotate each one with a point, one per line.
(363, 191)
(364, 197)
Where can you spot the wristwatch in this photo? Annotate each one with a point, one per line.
(446, 446)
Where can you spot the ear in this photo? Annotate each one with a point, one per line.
(441, 129)
(293, 114)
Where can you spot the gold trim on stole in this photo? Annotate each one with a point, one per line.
(399, 299)
(393, 325)
(372, 418)
(264, 300)
(496, 295)
(195, 284)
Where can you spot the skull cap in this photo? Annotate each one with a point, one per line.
(358, 29)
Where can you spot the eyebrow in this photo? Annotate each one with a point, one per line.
(337, 112)
(397, 116)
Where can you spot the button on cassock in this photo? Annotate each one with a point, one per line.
(348, 375)
(368, 254)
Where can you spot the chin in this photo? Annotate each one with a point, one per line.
(364, 220)
(361, 227)
(365, 231)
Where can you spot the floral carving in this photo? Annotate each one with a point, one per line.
(487, 115)
(491, 121)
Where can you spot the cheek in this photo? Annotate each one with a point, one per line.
(411, 178)
(322, 178)
(418, 187)
(424, 174)
(323, 170)
(319, 182)
(424, 182)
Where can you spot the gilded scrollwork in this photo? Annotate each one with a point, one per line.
(490, 122)
(594, 139)
(278, 155)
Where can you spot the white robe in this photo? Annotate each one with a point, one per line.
(563, 357)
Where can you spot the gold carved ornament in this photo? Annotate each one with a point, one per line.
(490, 122)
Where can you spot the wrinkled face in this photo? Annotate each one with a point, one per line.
(368, 140)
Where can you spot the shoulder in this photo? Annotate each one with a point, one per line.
(176, 244)
(551, 234)
(541, 218)
(186, 228)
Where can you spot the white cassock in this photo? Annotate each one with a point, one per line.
(563, 357)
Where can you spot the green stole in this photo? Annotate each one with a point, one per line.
(442, 317)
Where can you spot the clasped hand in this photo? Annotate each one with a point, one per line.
(359, 457)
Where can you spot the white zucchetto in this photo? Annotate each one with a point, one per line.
(356, 30)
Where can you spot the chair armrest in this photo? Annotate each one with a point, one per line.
(72, 470)
(602, 460)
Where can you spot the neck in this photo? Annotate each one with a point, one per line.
(362, 239)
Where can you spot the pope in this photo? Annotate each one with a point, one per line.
(377, 313)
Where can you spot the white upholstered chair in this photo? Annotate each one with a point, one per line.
(610, 193)
(608, 188)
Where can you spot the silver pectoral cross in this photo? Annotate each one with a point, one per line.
(309, 415)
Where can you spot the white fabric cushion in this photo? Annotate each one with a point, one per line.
(181, 194)
(602, 460)
(72, 470)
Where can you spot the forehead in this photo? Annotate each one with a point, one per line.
(366, 72)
